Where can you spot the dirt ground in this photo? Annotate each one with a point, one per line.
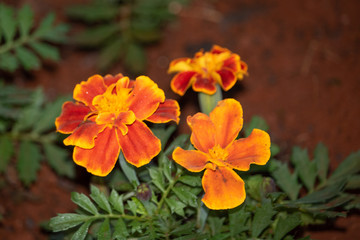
(304, 70)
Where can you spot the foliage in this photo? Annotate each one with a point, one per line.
(21, 44)
(27, 133)
(174, 209)
(121, 29)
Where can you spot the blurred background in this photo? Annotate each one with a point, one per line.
(304, 69)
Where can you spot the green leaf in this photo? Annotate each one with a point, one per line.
(81, 233)
(97, 11)
(202, 215)
(185, 196)
(175, 206)
(163, 134)
(116, 201)
(28, 162)
(193, 181)
(100, 199)
(56, 34)
(349, 166)
(307, 170)
(104, 232)
(45, 26)
(237, 220)
(256, 122)
(177, 142)
(58, 159)
(121, 232)
(84, 202)
(353, 182)
(111, 52)
(128, 170)
(215, 224)
(286, 224)
(8, 62)
(65, 221)
(6, 151)
(26, 18)
(135, 58)
(27, 59)
(262, 219)
(45, 50)
(7, 22)
(321, 158)
(286, 181)
(157, 178)
(95, 36)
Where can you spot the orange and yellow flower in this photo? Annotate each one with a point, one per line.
(205, 70)
(107, 118)
(219, 153)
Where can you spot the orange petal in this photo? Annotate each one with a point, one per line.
(180, 65)
(224, 189)
(100, 159)
(228, 78)
(71, 116)
(192, 160)
(139, 145)
(204, 84)
(167, 111)
(84, 136)
(110, 79)
(182, 81)
(227, 117)
(253, 149)
(86, 91)
(203, 132)
(232, 63)
(216, 49)
(145, 97)
(123, 120)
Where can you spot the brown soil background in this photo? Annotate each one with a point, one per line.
(304, 67)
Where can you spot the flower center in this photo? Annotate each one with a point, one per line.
(209, 62)
(218, 156)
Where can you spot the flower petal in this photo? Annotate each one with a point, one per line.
(145, 97)
(139, 145)
(228, 78)
(216, 49)
(110, 79)
(224, 189)
(167, 111)
(180, 65)
(227, 117)
(232, 63)
(253, 149)
(100, 159)
(203, 132)
(192, 160)
(71, 116)
(204, 84)
(181, 82)
(84, 136)
(86, 91)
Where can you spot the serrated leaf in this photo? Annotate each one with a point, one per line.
(116, 201)
(353, 182)
(286, 224)
(202, 215)
(215, 224)
(7, 23)
(262, 219)
(121, 232)
(306, 170)
(28, 162)
(157, 178)
(256, 122)
(81, 233)
(56, 34)
(321, 158)
(128, 170)
(163, 134)
(8, 62)
(25, 19)
(104, 232)
(45, 25)
(175, 206)
(140, 208)
(237, 221)
(58, 160)
(194, 181)
(45, 50)
(286, 181)
(100, 198)
(96, 35)
(84, 202)
(348, 167)
(185, 196)
(27, 59)
(6, 152)
(135, 58)
(65, 221)
(177, 142)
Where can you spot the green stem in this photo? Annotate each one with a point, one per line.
(167, 191)
(208, 102)
(13, 45)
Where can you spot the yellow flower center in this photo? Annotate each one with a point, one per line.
(218, 156)
(209, 63)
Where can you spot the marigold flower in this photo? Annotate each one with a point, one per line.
(107, 118)
(205, 70)
(219, 153)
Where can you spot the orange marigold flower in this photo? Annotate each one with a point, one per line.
(107, 118)
(207, 69)
(219, 153)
